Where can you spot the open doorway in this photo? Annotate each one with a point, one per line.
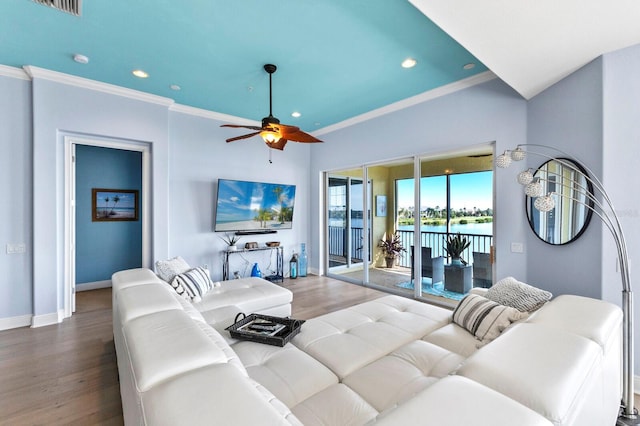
(107, 219)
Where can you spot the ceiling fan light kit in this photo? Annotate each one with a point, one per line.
(274, 134)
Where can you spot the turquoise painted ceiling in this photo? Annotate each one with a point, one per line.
(336, 59)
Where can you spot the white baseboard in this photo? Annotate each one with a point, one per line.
(93, 285)
(47, 319)
(15, 322)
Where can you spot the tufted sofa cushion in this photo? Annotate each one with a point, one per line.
(397, 377)
(215, 394)
(455, 401)
(168, 343)
(289, 373)
(554, 378)
(349, 339)
(249, 295)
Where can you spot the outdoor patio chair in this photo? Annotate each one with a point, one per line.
(482, 270)
(432, 267)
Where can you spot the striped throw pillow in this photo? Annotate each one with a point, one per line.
(484, 318)
(195, 283)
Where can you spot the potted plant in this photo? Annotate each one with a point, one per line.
(391, 248)
(231, 241)
(455, 245)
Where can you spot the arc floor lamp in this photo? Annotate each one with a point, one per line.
(598, 202)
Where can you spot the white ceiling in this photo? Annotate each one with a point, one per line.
(532, 44)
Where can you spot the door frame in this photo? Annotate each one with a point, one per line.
(70, 142)
(367, 209)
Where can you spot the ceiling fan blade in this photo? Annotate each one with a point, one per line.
(236, 126)
(278, 145)
(294, 133)
(237, 138)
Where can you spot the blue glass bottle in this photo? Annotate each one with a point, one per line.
(255, 271)
(302, 261)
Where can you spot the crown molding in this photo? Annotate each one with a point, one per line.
(212, 115)
(13, 72)
(409, 102)
(85, 83)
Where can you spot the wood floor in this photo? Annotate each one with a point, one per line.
(66, 374)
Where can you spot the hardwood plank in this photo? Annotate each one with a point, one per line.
(67, 373)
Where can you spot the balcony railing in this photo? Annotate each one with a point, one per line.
(338, 243)
(435, 240)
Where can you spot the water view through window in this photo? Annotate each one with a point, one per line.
(471, 198)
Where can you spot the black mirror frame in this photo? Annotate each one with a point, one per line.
(528, 201)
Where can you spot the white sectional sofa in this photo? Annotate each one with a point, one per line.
(392, 361)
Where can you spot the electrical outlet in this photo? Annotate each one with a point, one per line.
(14, 248)
(517, 248)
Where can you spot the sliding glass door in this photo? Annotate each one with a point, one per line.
(347, 219)
(422, 202)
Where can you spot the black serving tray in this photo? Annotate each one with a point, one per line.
(281, 338)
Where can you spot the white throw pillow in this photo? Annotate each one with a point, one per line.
(484, 318)
(168, 269)
(195, 283)
(524, 297)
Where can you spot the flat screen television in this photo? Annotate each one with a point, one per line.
(253, 207)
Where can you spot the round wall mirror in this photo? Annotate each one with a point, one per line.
(566, 181)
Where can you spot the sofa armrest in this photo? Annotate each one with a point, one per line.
(479, 291)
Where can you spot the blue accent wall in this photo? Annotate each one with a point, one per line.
(103, 248)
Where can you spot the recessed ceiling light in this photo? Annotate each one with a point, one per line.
(140, 73)
(409, 63)
(81, 59)
(296, 114)
(175, 87)
(469, 66)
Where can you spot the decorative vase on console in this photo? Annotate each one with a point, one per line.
(302, 261)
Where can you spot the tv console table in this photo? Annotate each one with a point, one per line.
(278, 276)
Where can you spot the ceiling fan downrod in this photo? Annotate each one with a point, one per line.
(270, 69)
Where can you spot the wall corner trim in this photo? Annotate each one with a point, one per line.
(85, 83)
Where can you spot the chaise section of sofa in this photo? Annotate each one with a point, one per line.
(169, 358)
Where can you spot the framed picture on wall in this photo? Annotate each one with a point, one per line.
(113, 205)
(381, 205)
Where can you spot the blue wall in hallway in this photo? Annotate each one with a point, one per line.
(103, 248)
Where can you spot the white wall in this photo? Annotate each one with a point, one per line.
(60, 108)
(568, 116)
(199, 157)
(478, 115)
(621, 151)
(15, 192)
(620, 156)
(189, 154)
